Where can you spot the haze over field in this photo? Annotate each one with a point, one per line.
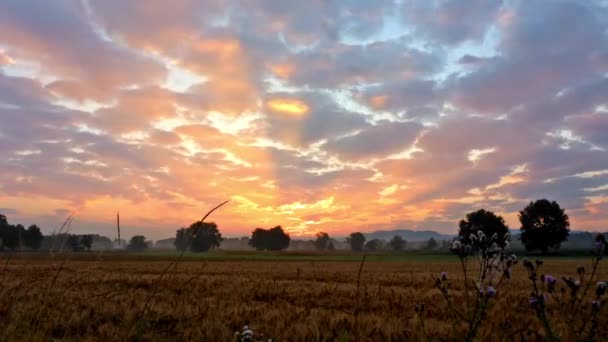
(321, 115)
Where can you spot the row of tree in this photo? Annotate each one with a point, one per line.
(544, 225)
(17, 237)
(204, 236)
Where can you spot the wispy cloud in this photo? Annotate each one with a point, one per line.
(318, 115)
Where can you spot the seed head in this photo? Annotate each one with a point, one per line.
(601, 288)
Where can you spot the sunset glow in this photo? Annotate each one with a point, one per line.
(287, 106)
(328, 116)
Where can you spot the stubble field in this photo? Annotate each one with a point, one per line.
(121, 297)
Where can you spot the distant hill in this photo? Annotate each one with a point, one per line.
(408, 234)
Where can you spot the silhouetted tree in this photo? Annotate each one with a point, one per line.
(274, 239)
(486, 222)
(137, 243)
(87, 241)
(4, 226)
(199, 237)
(182, 239)
(33, 237)
(544, 225)
(9, 234)
(20, 235)
(356, 241)
(10, 238)
(431, 244)
(322, 241)
(397, 243)
(205, 236)
(374, 245)
(73, 243)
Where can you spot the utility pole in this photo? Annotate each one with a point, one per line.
(118, 227)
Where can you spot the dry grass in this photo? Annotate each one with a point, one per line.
(104, 298)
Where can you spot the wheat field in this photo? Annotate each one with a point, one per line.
(122, 298)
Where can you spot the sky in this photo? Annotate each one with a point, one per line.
(320, 115)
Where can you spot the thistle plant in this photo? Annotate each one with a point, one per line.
(247, 336)
(577, 304)
(493, 266)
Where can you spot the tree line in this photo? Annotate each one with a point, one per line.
(17, 236)
(544, 226)
(204, 236)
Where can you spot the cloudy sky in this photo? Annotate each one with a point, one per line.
(320, 115)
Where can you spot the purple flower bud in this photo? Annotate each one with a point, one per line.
(444, 276)
(550, 280)
(595, 305)
(490, 292)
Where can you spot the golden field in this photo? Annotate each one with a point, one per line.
(119, 297)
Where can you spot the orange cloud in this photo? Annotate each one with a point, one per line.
(284, 70)
(378, 101)
(6, 59)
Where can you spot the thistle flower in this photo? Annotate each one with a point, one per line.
(490, 292)
(456, 245)
(599, 245)
(595, 305)
(551, 281)
(444, 276)
(600, 241)
(533, 301)
(247, 334)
